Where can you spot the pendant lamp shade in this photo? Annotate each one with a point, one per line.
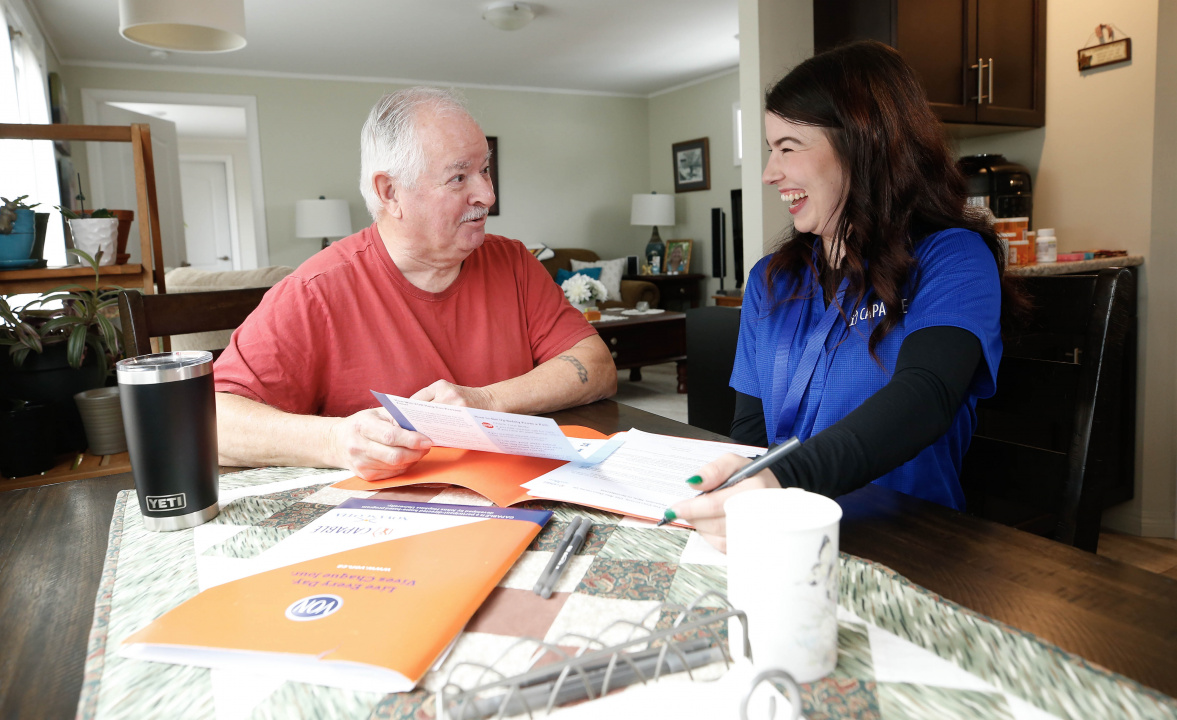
(205, 26)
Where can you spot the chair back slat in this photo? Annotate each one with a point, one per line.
(148, 316)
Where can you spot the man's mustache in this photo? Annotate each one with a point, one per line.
(475, 214)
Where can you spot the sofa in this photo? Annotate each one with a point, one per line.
(632, 291)
(186, 280)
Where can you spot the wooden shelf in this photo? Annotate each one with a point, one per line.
(148, 275)
(90, 466)
(29, 281)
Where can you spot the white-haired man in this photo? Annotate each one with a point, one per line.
(422, 303)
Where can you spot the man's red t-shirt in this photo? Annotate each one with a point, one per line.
(347, 322)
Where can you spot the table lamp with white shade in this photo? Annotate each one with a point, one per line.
(322, 218)
(653, 209)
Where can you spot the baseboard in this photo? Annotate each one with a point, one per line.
(1131, 521)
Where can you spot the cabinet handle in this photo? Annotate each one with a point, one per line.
(990, 81)
(614, 354)
(980, 68)
(612, 341)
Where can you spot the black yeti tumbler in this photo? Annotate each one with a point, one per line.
(170, 415)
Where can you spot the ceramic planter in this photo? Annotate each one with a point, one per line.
(102, 415)
(47, 379)
(94, 235)
(41, 226)
(28, 438)
(18, 245)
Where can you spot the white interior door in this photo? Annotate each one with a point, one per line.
(208, 237)
(112, 180)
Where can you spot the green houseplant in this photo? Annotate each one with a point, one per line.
(59, 344)
(81, 322)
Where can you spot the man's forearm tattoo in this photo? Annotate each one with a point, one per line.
(581, 371)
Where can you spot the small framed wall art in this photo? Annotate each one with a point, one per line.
(493, 142)
(692, 165)
(1106, 50)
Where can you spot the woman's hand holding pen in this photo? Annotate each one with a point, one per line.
(705, 511)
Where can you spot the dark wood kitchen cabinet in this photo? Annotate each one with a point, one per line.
(981, 61)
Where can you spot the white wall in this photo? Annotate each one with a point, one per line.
(568, 164)
(700, 110)
(1104, 177)
(242, 183)
(775, 35)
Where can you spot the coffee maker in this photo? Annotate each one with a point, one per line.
(999, 185)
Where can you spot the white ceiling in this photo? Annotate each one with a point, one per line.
(626, 47)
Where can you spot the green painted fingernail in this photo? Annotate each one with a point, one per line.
(669, 514)
(694, 480)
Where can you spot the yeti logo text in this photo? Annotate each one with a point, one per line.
(160, 503)
(313, 607)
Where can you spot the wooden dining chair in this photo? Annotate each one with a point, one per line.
(1056, 445)
(147, 316)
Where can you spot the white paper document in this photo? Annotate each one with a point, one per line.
(498, 432)
(643, 477)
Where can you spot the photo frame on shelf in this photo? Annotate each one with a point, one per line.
(678, 257)
(493, 142)
(692, 165)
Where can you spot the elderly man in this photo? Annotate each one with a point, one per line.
(422, 303)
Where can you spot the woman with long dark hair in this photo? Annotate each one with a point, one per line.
(874, 327)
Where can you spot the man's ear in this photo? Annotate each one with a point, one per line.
(387, 191)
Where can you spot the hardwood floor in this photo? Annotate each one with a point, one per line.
(1158, 555)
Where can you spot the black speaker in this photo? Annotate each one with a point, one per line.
(738, 236)
(718, 245)
(631, 265)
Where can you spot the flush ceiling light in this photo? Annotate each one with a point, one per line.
(508, 15)
(207, 26)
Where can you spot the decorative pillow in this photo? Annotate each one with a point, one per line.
(611, 272)
(562, 274)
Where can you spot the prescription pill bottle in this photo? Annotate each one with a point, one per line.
(1012, 233)
(1047, 246)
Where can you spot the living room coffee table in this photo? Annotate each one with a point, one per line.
(647, 339)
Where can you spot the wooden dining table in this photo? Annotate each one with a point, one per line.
(53, 542)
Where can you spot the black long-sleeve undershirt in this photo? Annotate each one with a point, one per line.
(917, 405)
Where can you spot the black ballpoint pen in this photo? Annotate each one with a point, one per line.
(573, 538)
(752, 468)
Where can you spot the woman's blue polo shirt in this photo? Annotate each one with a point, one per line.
(954, 282)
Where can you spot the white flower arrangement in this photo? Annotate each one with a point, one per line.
(581, 289)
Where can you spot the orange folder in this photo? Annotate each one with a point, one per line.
(370, 618)
(496, 476)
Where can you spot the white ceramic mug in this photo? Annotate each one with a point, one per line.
(782, 570)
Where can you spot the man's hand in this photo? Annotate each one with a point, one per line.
(447, 393)
(374, 447)
(705, 512)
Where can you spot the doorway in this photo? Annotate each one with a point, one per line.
(216, 135)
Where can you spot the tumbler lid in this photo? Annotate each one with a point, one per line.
(164, 367)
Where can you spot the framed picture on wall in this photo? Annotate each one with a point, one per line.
(493, 142)
(692, 165)
(678, 257)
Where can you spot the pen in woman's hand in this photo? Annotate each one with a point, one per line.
(757, 464)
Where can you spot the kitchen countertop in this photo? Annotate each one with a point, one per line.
(1066, 268)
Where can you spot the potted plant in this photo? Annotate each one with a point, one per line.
(95, 233)
(584, 292)
(55, 352)
(17, 231)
